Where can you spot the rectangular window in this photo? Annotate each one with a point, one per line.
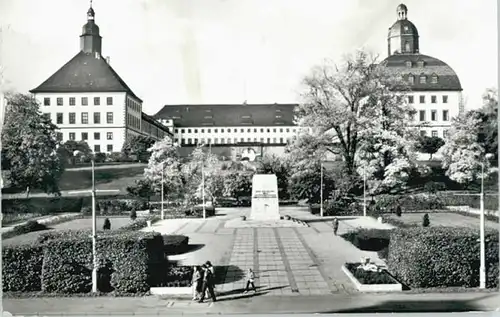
(195, 130)
(281, 141)
(445, 133)
(97, 101)
(109, 135)
(177, 131)
(85, 136)
(228, 130)
(189, 131)
(183, 141)
(109, 101)
(97, 148)
(59, 101)
(59, 118)
(261, 140)
(274, 140)
(287, 130)
(248, 139)
(274, 130)
(109, 117)
(182, 130)
(445, 115)
(433, 115)
(109, 147)
(222, 130)
(281, 130)
(411, 99)
(422, 115)
(423, 79)
(72, 136)
(268, 140)
(209, 130)
(190, 141)
(97, 136)
(59, 136)
(46, 101)
(242, 130)
(433, 99)
(97, 117)
(72, 118)
(434, 133)
(445, 99)
(85, 118)
(72, 101)
(422, 99)
(209, 140)
(268, 130)
(85, 101)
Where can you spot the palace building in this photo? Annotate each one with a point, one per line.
(89, 101)
(436, 93)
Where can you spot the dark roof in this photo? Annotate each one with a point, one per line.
(447, 78)
(85, 73)
(397, 28)
(153, 121)
(229, 115)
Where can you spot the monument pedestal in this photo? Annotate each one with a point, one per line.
(265, 202)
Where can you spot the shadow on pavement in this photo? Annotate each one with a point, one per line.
(188, 249)
(410, 306)
(240, 293)
(227, 274)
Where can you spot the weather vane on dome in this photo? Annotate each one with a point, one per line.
(91, 3)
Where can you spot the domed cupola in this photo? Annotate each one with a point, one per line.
(403, 35)
(90, 40)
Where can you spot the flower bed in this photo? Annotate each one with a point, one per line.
(370, 278)
(177, 281)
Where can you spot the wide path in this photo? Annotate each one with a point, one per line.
(333, 303)
(287, 261)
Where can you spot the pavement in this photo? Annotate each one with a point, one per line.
(334, 303)
(42, 220)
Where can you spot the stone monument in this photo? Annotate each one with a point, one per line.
(265, 203)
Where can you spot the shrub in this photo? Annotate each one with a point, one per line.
(126, 262)
(433, 187)
(139, 224)
(175, 243)
(449, 199)
(22, 268)
(30, 226)
(178, 276)
(398, 211)
(107, 224)
(120, 206)
(425, 221)
(369, 277)
(197, 211)
(368, 239)
(441, 257)
(410, 202)
(133, 215)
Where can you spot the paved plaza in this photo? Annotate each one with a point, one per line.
(295, 261)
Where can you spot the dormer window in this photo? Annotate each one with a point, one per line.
(434, 79)
(409, 64)
(423, 79)
(411, 79)
(420, 63)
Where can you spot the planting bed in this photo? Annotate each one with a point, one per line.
(441, 219)
(369, 281)
(177, 282)
(79, 224)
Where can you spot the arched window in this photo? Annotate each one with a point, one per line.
(434, 79)
(411, 79)
(407, 47)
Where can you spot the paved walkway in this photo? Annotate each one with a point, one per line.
(287, 261)
(336, 303)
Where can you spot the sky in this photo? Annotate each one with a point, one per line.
(229, 51)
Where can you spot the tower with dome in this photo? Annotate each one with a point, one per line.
(435, 89)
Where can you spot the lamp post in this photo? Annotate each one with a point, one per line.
(203, 189)
(94, 222)
(364, 192)
(321, 191)
(162, 185)
(482, 243)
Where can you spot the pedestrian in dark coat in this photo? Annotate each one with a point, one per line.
(335, 225)
(208, 282)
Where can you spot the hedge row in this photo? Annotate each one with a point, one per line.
(62, 263)
(441, 257)
(418, 202)
(33, 225)
(490, 201)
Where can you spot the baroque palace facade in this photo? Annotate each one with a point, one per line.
(89, 101)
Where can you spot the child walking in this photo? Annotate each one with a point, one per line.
(250, 281)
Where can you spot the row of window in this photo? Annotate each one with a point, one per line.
(434, 116)
(194, 141)
(248, 130)
(133, 105)
(85, 136)
(84, 117)
(434, 133)
(421, 99)
(84, 101)
(422, 79)
(97, 147)
(133, 121)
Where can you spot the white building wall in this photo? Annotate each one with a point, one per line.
(440, 123)
(116, 128)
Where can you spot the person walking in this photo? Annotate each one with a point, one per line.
(250, 281)
(208, 283)
(197, 283)
(335, 225)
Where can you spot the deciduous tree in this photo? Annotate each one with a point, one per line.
(138, 145)
(29, 146)
(429, 145)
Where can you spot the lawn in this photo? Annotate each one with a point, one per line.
(442, 219)
(78, 224)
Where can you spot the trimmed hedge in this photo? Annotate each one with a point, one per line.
(120, 206)
(448, 199)
(29, 226)
(441, 257)
(175, 243)
(22, 268)
(387, 203)
(369, 239)
(45, 205)
(128, 263)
